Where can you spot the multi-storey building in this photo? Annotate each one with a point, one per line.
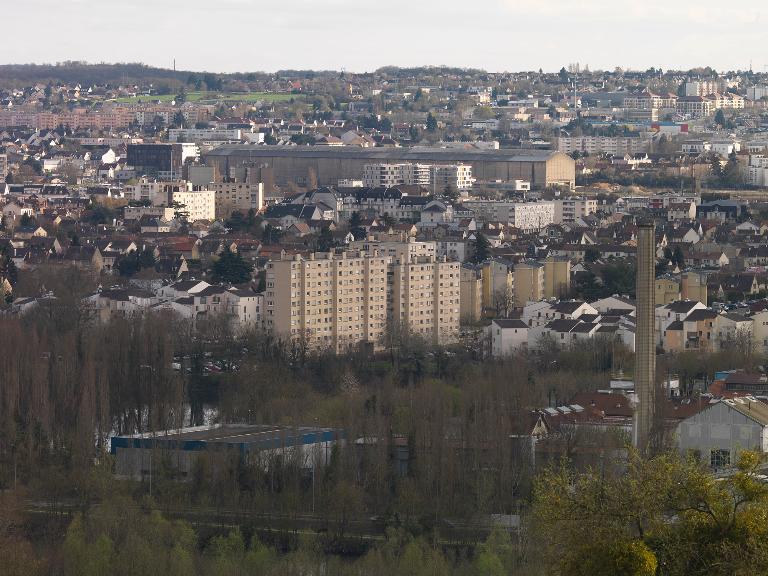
(3, 167)
(526, 216)
(757, 92)
(458, 176)
(204, 135)
(425, 297)
(569, 209)
(649, 101)
(615, 145)
(557, 277)
(195, 204)
(338, 301)
(234, 196)
(529, 283)
(756, 172)
(705, 87)
(329, 301)
(695, 106)
(388, 175)
(155, 192)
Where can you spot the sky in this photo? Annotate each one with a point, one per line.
(362, 35)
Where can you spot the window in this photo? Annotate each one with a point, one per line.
(720, 458)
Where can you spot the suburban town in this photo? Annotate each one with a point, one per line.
(405, 321)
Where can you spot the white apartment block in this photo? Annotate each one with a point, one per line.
(237, 196)
(3, 167)
(695, 106)
(439, 177)
(569, 209)
(389, 175)
(757, 92)
(526, 216)
(458, 176)
(727, 100)
(650, 101)
(756, 172)
(615, 145)
(337, 301)
(705, 87)
(197, 205)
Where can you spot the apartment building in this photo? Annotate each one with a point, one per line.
(529, 283)
(650, 101)
(3, 167)
(195, 204)
(705, 87)
(756, 172)
(757, 92)
(557, 277)
(234, 196)
(526, 216)
(458, 176)
(437, 177)
(154, 192)
(338, 301)
(385, 175)
(615, 145)
(426, 298)
(695, 106)
(569, 209)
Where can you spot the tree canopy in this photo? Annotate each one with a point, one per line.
(665, 516)
(230, 267)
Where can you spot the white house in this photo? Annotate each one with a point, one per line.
(507, 336)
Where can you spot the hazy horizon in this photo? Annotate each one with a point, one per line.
(361, 36)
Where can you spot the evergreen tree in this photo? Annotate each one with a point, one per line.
(431, 122)
(230, 267)
(482, 249)
(720, 118)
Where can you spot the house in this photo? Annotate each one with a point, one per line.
(694, 332)
(733, 331)
(673, 312)
(683, 211)
(287, 214)
(85, 257)
(507, 336)
(27, 232)
(724, 428)
(540, 313)
(245, 307)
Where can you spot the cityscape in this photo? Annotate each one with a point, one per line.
(408, 319)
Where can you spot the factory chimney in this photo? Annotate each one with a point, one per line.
(645, 343)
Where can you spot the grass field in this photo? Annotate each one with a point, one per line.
(214, 97)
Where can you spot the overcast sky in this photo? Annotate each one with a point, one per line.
(362, 35)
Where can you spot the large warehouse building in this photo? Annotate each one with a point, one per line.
(257, 445)
(327, 165)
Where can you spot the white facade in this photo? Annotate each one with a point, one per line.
(439, 177)
(757, 170)
(198, 205)
(457, 176)
(757, 92)
(388, 175)
(527, 216)
(507, 336)
(705, 87)
(602, 144)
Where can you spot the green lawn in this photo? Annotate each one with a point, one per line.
(214, 97)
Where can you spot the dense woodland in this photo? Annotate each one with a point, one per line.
(68, 384)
